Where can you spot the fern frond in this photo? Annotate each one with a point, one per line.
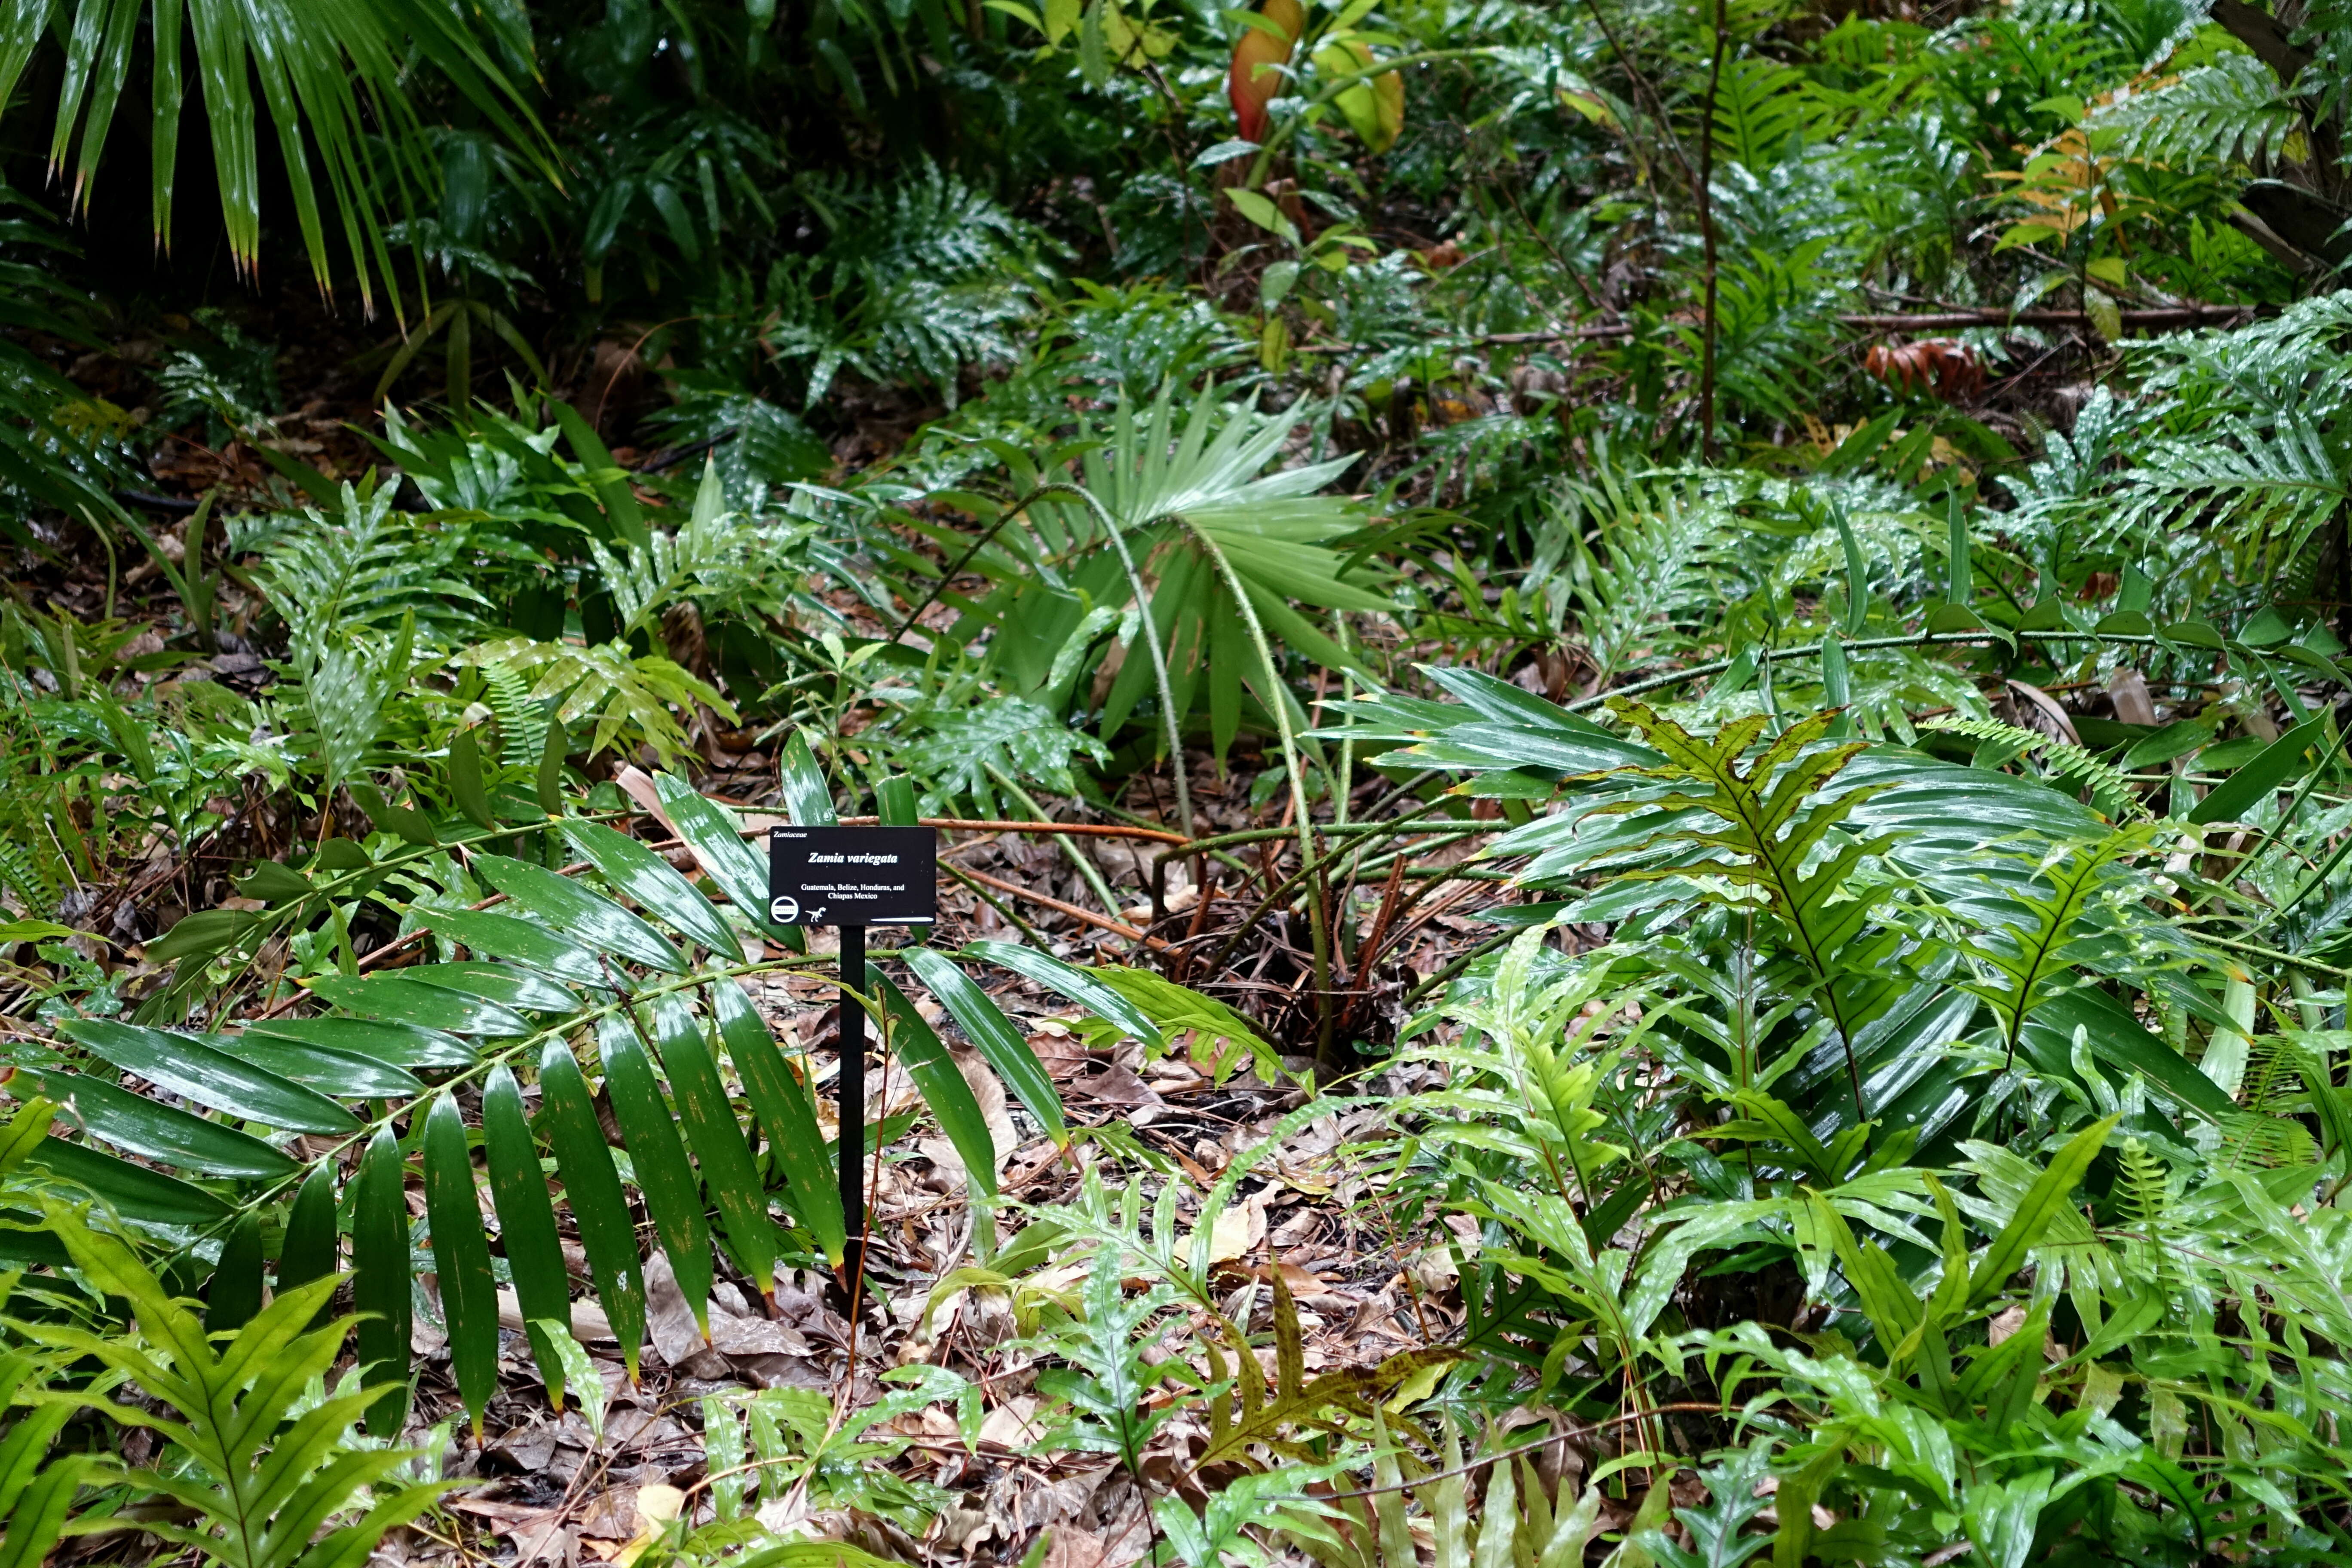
(37, 895)
(2061, 758)
(523, 722)
(2231, 111)
(365, 569)
(2144, 1195)
(915, 280)
(2269, 1143)
(1764, 110)
(1644, 568)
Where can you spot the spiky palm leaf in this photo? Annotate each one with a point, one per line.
(333, 74)
(629, 976)
(1187, 489)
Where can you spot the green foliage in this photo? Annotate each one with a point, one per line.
(266, 1461)
(324, 71)
(1928, 1126)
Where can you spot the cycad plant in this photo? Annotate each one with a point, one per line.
(623, 986)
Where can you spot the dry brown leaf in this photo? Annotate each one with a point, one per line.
(669, 1320)
(2062, 723)
(589, 1324)
(1239, 1231)
(1012, 1426)
(2128, 689)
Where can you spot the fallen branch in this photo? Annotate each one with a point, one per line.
(970, 825)
(1952, 321)
(1915, 321)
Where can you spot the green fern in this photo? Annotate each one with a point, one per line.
(2231, 112)
(363, 570)
(37, 895)
(1764, 112)
(917, 279)
(522, 720)
(1643, 573)
(2144, 1195)
(2109, 789)
(626, 694)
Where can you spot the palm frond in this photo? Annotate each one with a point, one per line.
(333, 74)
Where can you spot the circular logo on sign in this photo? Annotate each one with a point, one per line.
(784, 911)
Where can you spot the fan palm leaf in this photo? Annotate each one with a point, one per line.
(331, 74)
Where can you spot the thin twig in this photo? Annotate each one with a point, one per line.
(1088, 916)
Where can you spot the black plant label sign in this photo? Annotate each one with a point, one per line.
(852, 876)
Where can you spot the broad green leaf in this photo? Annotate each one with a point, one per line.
(2175, 739)
(405, 823)
(324, 1067)
(202, 936)
(466, 781)
(585, 917)
(402, 1045)
(716, 1138)
(234, 1294)
(942, 1086)
(38, 1519)
(461, 1256)
(309, 1252)
(526, 1221)
(509, 987)
(779, 1097)
(380, 1279)
(894, 802)
(724, 1456)
(712, 832)
(163, 1134)
(621, 507)
(2035, 1211)
(598, 1208)
(672, 1196)
(579, 1374)
(1080, 986)
(805, 794)
(2234, 796)
(1893, 1310)
(2117, 1037)
(657, 889)
(489, 934)
(211, 1078)
(986, 1027)
(547, 779)
(396, 998)
(25, 1132)
(28, 1442)
(134, 1192)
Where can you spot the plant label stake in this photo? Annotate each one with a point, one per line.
(851, 878)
